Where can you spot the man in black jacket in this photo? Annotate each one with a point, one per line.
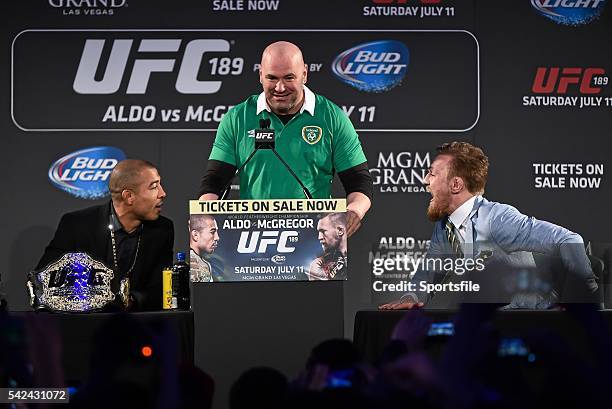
(127, 234)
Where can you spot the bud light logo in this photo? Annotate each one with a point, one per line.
(279, 259)
(85, 173)
(569, 12)
(373, 67)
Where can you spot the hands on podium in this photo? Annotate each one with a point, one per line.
(357, 205)
(353, 222)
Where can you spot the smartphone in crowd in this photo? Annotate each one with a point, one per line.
(515, 347)
(342, 378)
(441, 329)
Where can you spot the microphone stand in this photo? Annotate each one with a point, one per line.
(265, 124)
(227, 187)
(304, 189)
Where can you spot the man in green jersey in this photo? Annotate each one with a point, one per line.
(313, 135)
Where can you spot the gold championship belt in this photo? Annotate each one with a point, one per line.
(74, 283)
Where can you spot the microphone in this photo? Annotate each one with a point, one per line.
(265, 138)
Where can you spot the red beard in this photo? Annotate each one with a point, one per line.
(438, 208)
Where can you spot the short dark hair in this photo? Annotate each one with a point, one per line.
(200, 222)
(336, 219)
(469, 163)
(126, 175)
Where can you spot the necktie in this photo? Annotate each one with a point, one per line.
(453, 239)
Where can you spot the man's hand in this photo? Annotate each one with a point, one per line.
(401, 305)
(357, 205)
(353, 222)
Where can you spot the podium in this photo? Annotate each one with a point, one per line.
(240, 325)
(260, 317)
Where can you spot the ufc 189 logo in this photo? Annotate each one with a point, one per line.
(259, 241)
(187, 81)
(557, 80)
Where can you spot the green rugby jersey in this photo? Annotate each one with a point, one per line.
(317, 141)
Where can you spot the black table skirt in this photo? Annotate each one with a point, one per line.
(77, 331)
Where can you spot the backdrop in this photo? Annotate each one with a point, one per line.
(87, 83)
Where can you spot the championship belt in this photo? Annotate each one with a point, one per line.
(74, 283)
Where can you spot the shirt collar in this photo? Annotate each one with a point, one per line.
(115, 225)
(460, 215)
(308, 105)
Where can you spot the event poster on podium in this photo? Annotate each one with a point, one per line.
(268, 240)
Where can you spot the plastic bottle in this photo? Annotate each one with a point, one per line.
(180, 282)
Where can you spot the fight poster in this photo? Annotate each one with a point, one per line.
(267, 240)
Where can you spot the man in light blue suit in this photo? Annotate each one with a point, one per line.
(498, 240)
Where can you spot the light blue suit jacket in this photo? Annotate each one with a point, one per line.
(509, 238)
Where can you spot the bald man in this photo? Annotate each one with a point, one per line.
(313, 135)
(127, 233)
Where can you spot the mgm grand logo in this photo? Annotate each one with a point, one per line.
(402, 172)
(74, 283)
(88, 7)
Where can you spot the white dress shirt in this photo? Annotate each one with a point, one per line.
(463, 226)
